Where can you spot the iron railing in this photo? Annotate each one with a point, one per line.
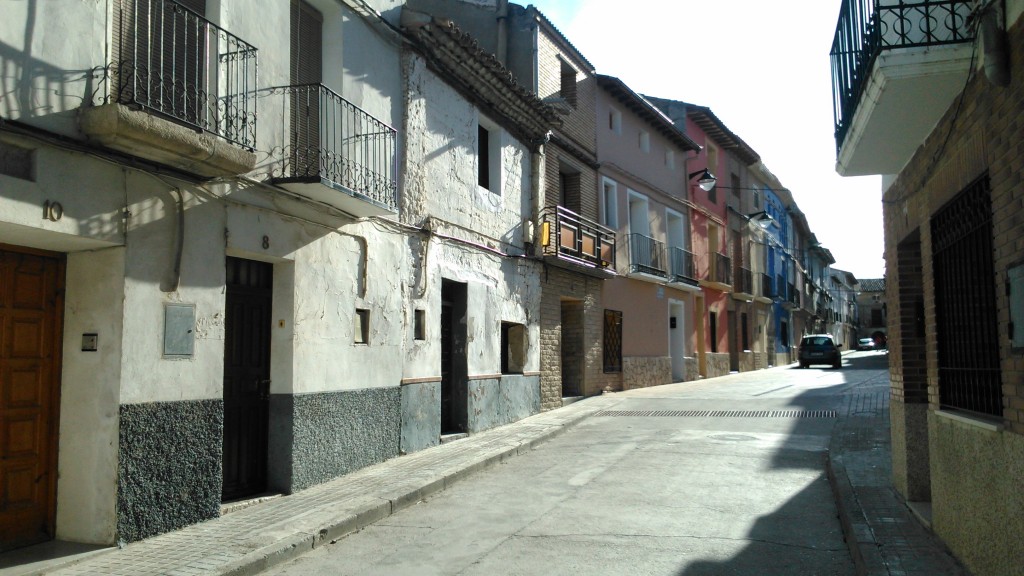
(682, 266)
(646, 255)
(334, 140)
(866, 28)
(743, 281)
(172, 61)
(794, 296)
(568, 235)
(721, 270)
(767, 288)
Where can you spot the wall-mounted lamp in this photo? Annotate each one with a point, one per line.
(706, 181)
(762, 219)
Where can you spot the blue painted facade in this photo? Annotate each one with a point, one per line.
(778, 267)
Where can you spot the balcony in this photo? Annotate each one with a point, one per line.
(792, 297)
(896, 68)
(647, 257)
(337, 153)
(743, 285)
(780, 288)
(577, 242)
(180, 91)
(719, 273)
(767, 292)
(683, 270)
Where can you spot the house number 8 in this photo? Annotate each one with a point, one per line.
(266, 242)
(53, 211)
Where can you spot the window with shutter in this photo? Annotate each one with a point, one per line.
(160, 46)
(306, 76)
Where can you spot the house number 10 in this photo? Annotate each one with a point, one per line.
(53, 211)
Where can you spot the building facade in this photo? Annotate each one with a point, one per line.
(644, 199)
(951, 179)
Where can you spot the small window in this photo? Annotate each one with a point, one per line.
(362, 326)
(489, 157)
(567, 84)
(513, 348)
(615, 121)
(420, 325)
(610, 204)
(645, 141)
(670, 159)
(757, 200)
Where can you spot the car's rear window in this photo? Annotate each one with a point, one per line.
(816, 341)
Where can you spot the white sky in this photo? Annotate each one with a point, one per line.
(763, 68)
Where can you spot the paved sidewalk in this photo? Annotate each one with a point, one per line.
(249, 540)
(884, 536)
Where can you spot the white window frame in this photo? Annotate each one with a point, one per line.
(633, 195)
(610, 203)
(644, 141)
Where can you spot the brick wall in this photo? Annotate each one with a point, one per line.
(983, 135)
(580, 293)
(585, 203)
(579, 124)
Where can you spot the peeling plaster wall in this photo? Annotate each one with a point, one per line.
(441, 184)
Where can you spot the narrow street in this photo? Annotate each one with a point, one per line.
(722, 476)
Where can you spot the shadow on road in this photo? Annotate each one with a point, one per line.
(861, 385)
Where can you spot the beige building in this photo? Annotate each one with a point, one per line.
(643, 197)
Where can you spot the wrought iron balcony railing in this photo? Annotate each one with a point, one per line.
(721, 269)
(172, 61)
(743, 281)
(646, 255)
(868, 27)
(683, 268)
(335, 141)
(767, 288)
(570, 236)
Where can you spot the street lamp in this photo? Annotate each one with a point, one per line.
(706, 181)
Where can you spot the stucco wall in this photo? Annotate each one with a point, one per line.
(169, 467)
(976, 495)
(320, 436)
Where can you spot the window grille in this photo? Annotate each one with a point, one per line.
(965, 303)
(612, 341)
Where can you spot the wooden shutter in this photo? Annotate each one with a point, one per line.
(306, 67)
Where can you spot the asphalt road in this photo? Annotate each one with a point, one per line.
(720, 476)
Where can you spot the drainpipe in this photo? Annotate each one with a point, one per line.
(992, 31)
(537, 160)
(502, 52)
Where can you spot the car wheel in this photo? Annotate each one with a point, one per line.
(837, 364)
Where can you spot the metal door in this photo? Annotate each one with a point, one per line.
(246, 377)
(31, 288)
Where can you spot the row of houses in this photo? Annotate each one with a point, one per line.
(238, 257)
(929, 95)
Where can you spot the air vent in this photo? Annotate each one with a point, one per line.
(17, 162)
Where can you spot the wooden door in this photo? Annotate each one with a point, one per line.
(31, 300)
(246, 377)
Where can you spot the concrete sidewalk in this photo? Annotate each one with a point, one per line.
(249, 540)
(883, 535)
